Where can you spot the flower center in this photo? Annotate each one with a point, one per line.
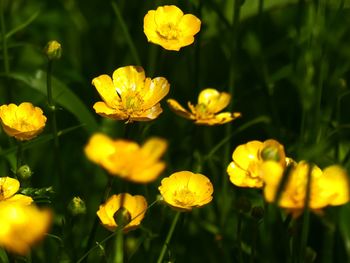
(202, 111)
(133, 102)
(184, 197)
(168, 32)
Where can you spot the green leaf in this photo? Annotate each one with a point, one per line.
(3, 256)
(23, 25)
(61, 95)
(344, 226)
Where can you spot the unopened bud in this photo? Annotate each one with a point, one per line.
(53, 50)
(24, 172)
(122, 217)
(77, 206)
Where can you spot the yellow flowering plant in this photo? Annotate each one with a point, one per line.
(127, 159)
(122, 210)
(22, 226)
(170, 28)
(327, 187)
(206, 112)
(185, 190)
(24, 122)
(8, 189)
(129, 95)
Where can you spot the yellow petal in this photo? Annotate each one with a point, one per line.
(168, 14)
(179, 110)
(99, 147)
(8, 187)
(242, 178)
(20, 199)
(128, 79)
(154, 90)
(104, 110)
(107, 90)
(147, 115)
(246, 153)
(150, 26)
(147, 174)
(153, 149)
(189, 25)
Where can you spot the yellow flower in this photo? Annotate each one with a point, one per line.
(210, 102)
(130, 95)
(21, 227)
(24, 122)
(244, 170)
(170, 28)
(328, 187)
(8, 190)
(186, 190)
(127, 159)
(130, 210)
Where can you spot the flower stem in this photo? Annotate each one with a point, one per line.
(119, 257)
(168, 237)
(19, 156)
(4, 39)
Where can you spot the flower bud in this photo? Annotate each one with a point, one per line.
(24, 172)
(76, 206)
(274, 151)
(53, 50)
(122, 217)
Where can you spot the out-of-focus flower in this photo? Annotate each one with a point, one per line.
(8, 189)
(122, 210)
(186, 190)
(206, 112)
(24, 122)
(53, 50)
(328, 187)
(247, 158)
(21, 226)
(127, 159)
(170, 28)
(77, 206)
(130, 95)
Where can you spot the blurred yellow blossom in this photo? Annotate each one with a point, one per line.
(328, 187)
(127, 159)
(128, 209)
(186, 190)
(21, 226)
(170, 28)
(23, 122)
(210, 102)
(8, 189)
(129, 95)
(247, 158)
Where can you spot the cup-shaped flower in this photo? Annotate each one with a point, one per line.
(185, 190)
(247, 158)
(8, 189)
(22, 226)
(127, 159)
(328, 187)
(129, 95)
(124, 210)
(24, 122)
(206, 112)
(170, 28)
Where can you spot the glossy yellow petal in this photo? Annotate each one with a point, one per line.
(154, 91)
(147, 174)
(128, 79)
(105, 87)
(214, 100)
(271, 173)
(179, 110)
(168, 15)
(189, 25)
(242, 178)
(22, 226)
(244, 154)
(99, 148)
(153, 149)
(150, 26)
(20, 199)
(147, 115)
(8, 187)
(104, 110)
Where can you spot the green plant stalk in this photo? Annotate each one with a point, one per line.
(168, 237)
(239, 237)
(119, 257)
(126, 33)
(4, 39)
(19, 155)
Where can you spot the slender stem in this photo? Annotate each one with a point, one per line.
(119, 257)
(239, 237)
(168, 237)
(19, 155)
(4, 38)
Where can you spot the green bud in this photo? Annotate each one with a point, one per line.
(122, 217)
(53, 50)
(257, 212)
(76, 206)
(24, 172)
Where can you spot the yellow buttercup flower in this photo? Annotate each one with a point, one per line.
(130, 95)
(244, 170)
(328, 187)
(186, 190)
(170, 28)
(129, 210)
(127, 159)
(8, 189)
(21, 226)
(206, 112)
(24, 122)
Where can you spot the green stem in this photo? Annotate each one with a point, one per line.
(4, 38)
(119, 257)
(239, 237)
(19, 155)
(168, 237)
(126, 33)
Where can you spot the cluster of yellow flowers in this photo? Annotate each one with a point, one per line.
(259, 164)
